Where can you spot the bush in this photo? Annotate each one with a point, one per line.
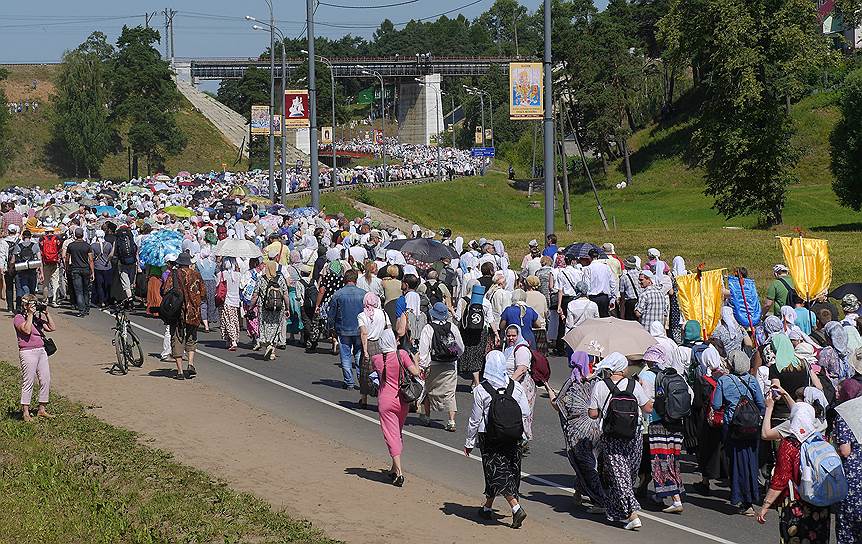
(846, 144)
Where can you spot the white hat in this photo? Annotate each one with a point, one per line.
(12, 228)
(653, 252)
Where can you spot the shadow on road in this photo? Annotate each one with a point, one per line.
(380, 476)
(470, 513)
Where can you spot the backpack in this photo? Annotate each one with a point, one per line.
(50, 246)
(473, 318)
(444, 349)
(621, 412)
(434, 293)
(540, 368)
(746, 420)
(171, 308)
(273, 295)
(672, 399)
(822, 481)
(10, 270)
(447, 278)
(26, 253)
(415, 324)
(714, 418)
(124, 247)
(505, 423)
(791, 293)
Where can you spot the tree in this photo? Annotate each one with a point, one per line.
(748, 57)
(82, 122)
(4, 126)
(846, 144)
(240, 94)
(145, 97)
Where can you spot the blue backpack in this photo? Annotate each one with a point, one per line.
(738, 302)
(822, 475)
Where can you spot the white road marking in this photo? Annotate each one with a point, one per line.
(421, 438)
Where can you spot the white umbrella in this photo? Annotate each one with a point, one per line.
(234, 247)
(603, 336)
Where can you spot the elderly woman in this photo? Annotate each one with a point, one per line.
(539, 303)
(729, 332)
(373, 321)
(500, 299)
(580, 432)
(272, 312)
(475, 337)
(665, 436)
(440, 345)
(31, 324)
(231, 275)
(523, 316)
(501, 460)
(710, 454)
(518, 363)
(621, 457)
(788, 373)
(835, 357)
(741, 452)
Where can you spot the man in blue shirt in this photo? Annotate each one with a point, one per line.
(550, 247)
(344, 309)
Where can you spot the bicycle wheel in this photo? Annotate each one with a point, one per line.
(119, 347)
(134, 352)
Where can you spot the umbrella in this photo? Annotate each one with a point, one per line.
(110, 192)
(238, 190)
(202, 194)
(53, 211)
(184, 174)
(160, 187)
(88, 202)
(603, 336)
(163, 177)
(186, 184)
(423, 249)
(582, 249)
(234, 247)
(159, 244)
(847, 289)
(271, 221)
(306, 211)
(179, 211)
(133, 189)
(110, 210)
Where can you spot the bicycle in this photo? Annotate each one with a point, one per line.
(126, 343)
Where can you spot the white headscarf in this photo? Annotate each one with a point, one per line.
(387, 341)
(495, 369)
(459, 244)
(656, 330)
(413, 301)
(711, 359)
(679, 266)
(803, 422)
(615, 362)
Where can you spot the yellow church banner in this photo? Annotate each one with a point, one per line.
(809, 264)
(700, 298)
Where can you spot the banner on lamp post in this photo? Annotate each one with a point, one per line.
(525, 91)
(296, 109)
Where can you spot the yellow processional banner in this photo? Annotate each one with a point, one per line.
(700, 298)
(809, 264)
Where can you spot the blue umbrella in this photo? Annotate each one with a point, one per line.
(110, 210)
(159, 244)
(307, 211)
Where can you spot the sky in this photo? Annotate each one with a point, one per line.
(41, 30)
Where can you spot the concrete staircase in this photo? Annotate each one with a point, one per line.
(230, 123)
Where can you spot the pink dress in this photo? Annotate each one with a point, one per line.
(392, 410)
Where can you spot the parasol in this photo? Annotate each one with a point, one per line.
(53, 212)
(88, 202)
(423, 249)
(603, 336)
(163, 177)
(306, 211)
(110, 192)
(184, 174)
(160, 187)
(157, 245)
(234, 247)
(133, 189)
(179, 211)
(582, 249)
(238, 191)
(110, 210)
(200, 195)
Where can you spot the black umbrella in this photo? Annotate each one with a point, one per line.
(847, 289)
(110, 192)
(423, 249)
(579, 250)
(202, 194)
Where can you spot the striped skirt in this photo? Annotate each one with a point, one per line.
(665, 448)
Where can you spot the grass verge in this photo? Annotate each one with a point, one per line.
(78, 479)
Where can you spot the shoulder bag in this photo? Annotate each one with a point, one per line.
(48, 343)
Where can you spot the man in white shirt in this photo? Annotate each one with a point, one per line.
(604, 287)
(580, 308)
(566, 279)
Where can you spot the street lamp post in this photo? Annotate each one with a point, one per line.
(379, 77)
(283, 130)
(271, 95)
(476, 92)
(312, 104)
(328, 64)
(437, 118)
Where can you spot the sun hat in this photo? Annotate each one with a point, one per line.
(849, 303)
(439, 312)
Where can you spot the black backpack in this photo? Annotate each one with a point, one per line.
(746, 420)
(792, 296)
(505, 424)
(444, 349)
(273, 296)
(26, 252)
(434, 292)
(672, 399)
(474, 318)
(171, 308)
(622, 412)
(124, 247)
(447, 278)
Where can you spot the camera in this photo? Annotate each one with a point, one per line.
(41, 307)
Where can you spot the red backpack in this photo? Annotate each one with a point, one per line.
(50, 248)
(540, 368)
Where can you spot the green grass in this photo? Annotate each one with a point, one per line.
(77, 479)
(664, 207)
(31, 133)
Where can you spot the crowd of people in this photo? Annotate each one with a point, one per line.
(25, 106)
(747, 404)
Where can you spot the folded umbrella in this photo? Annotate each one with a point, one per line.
(601, 337)
(234, 247)
(425, 250)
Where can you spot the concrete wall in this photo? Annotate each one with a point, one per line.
(419, 110)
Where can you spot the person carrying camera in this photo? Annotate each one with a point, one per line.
(31, 323)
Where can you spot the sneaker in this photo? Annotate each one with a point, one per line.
(165, 358)
(398, 481)
(180, 376)
(192, 371)
(633, 525)
(675, 508)
(746, 510)
(268, 355)
(518, 518)
(451, 427)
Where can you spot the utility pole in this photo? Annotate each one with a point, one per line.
(169, 32)
(171, 24)
(147, 18)
(167, 25)
(312, 106)
(548, 122)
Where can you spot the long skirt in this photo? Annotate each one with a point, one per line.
(665, 448)
(209, 310)
(619, 468)
(440, 384)
(710, 452)
(368, 364)
(252, 321)
(799, 522)
(270, 326)
(392, 410)
(230, 324)
(673, 320)
(154, 294)
(502, 467)
(530, 391)
(475, 343)
(582, 457)
(294, 321)
(744, 483)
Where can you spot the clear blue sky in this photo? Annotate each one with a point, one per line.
(41, 30)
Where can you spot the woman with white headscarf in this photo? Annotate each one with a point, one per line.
(103, 269)
(519, 361)
(675, 319)
(501, 460)
(710, 452)
(803, 518)
(675, 356)
(621, 455)
(729, 332)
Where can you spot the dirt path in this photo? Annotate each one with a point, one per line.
(291, 467)
(402, 224)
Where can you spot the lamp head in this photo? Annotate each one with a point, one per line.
(250, 18)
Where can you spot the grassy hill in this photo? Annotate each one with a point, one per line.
(664, 207)
(31, 135)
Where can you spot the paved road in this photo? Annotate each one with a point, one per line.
(307, 390)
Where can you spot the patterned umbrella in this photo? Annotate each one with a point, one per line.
(603, 336)
(159, 244)
(53, 212)
(582, 249)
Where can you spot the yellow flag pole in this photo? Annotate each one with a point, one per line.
(702, 306)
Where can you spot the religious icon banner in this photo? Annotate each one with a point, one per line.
(296, 108)
(525, 91)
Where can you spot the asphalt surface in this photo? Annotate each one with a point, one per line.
(307, 390)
